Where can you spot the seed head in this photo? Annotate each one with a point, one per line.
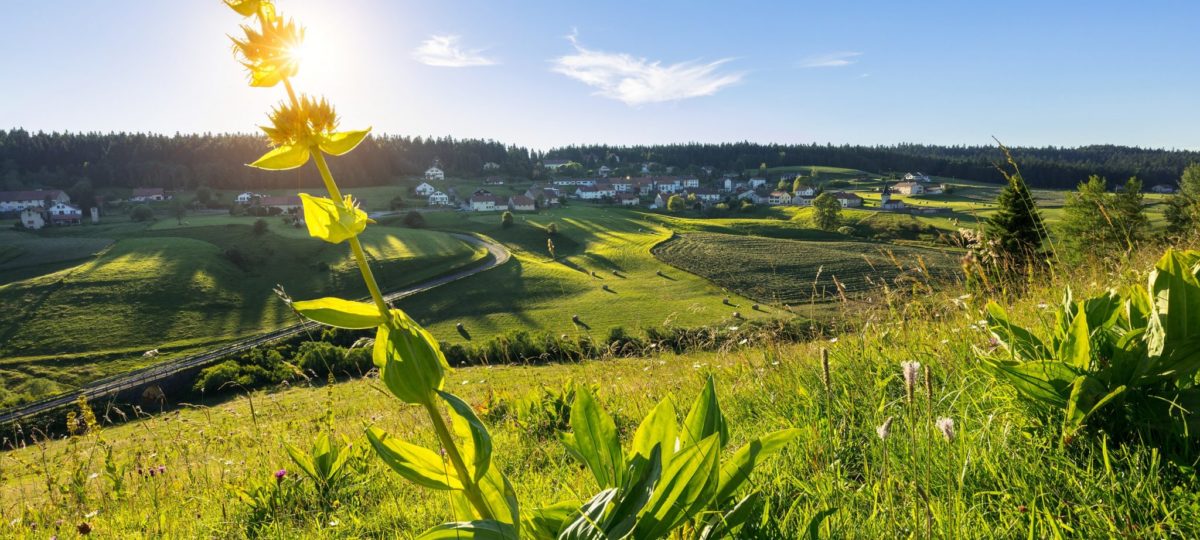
(946, 425)
(911, 369)
(885, 430)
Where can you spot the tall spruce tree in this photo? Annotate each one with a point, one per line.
(1183, 209)
(1131, 212)
(1088, 219)
(1017, 226)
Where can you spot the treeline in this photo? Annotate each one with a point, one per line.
(127, 160)
(1048, 167)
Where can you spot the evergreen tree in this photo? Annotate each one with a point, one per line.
(827, 212)
(797, 185)
(1017, 227)
(1183, 209)
(1131, 212)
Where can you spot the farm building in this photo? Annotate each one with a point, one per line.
(14, 201)
(917, 177)
(439, 198)
(909, 188)
(805, 191)
(705, 194)
(756, 183)
(604, 171)
(779, 197)
(64, 214)
(491, 166)
(425, 189)
(691, 182)
(547, 196)
(33, 218)
(521, 203)
(596, 192)
(148, 194)
(555, 164)
(886, 202)
(848, 200)
(627, 199)
(756, 196)
(246, 197)
(493, 181)
(485, 203)
(435, 173)
(1163, 188)
(284, 204)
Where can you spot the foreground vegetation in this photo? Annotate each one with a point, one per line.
(1002, 472)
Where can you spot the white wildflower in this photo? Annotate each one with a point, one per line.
(946, 425)
(884, 430)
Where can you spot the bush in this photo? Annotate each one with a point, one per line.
(260, 226)
(552, 229)
(506, 219)
(414, 220)
(141, 213)
(846, 230)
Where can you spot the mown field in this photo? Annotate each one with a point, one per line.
(1003, 474)
(596, 247)
(179, 288)
(799, 272)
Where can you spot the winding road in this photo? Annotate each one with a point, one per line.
(497, 255)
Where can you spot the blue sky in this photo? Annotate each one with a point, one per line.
(547, 73)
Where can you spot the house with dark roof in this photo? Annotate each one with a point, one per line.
(485, 203)
(521, 203)
(148, 194)
(284, 204)
(848, 200)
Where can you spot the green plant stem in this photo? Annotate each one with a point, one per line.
(355, 246)
(460, 466)
(439, 423)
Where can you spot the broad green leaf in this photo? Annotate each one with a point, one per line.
(302, 460)
(595, 438)
(342, 142)
(589, 524)
(478, 530)
(419, 465)
(1088, 395)
(723, 525)
(737, 469)
(705, 418)
(333, 221)
(1023, 345)
(409, 358)
(478, 452)
(499, 496)
(547, 522)
(814, 524)
(283, 158)
(1175, 295)
(658, 429)
(646, 473)
(1076, 348)
(687, 486)
(340, 313)
(1046, 381)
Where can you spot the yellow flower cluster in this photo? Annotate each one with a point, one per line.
(269, 53)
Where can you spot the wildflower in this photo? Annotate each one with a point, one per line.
(946, 425)
(248, 8)
(280, 475)
(162, 469)
(84, 528)
(884, 430)
(299, 127)
(1022, 508)
(911, 368)
(270, 52)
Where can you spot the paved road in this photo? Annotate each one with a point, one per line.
(497, 255)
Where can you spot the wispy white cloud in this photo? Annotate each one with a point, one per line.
(836, 59)
(637, 81)
(447, 51)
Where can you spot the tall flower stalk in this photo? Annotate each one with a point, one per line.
(304, 129)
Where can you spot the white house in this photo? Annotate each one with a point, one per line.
(64, 214)
(548, 196)
(425, 189)
(691, 182)
(434, 173)
(246, 197)
(805, 191)
(13, 201)
(660, 200)
(909, 188)
(439, 198)
(754, 196)
(727, 184)
(485, 203)
(622, 185)
(491, 166)
(779, 197)
(32, 218)
(604, 171)
(555, 164)
(148, 194)
(802, 201)
(592, 193)
(886, 202)
(848, 200)
(1162, 188)
(668, 185)
(706, 195)
(917, 177)
(575, 182)
(756, 183)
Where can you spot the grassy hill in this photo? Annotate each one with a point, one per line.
(798, 272)
(537, 294)
(179, 288)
